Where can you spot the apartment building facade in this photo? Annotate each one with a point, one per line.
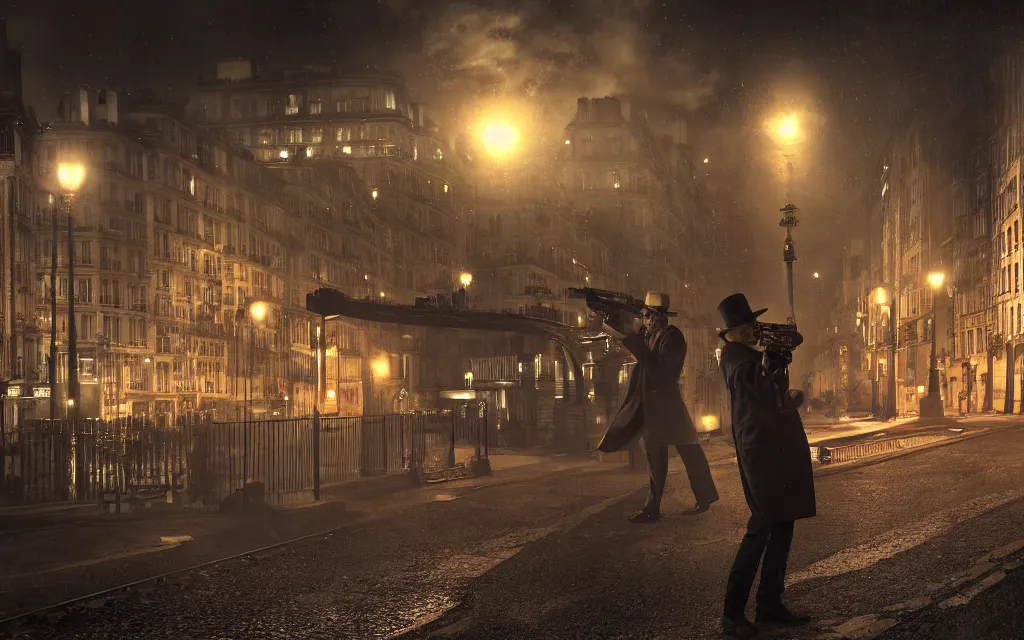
(366, 121)
(20, 377)
(179, 236)
(1006, 153)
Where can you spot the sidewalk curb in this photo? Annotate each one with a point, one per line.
(899, 453)
(870, 459)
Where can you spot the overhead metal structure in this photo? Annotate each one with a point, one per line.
(331, 304)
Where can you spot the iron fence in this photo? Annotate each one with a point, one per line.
(56, 460)
(203, 463)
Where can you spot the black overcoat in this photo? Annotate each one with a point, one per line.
(771, 445)
(654, 404)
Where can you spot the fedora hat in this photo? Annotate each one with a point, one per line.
(736, 312)
(658, 301)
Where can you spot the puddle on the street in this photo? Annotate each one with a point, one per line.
(444, 497)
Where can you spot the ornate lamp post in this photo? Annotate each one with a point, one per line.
(789, 221)
(884, 298)
(257, 313)
(71, 176)
(932, 408)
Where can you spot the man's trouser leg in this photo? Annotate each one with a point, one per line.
(699, 473)
(773, 566)
(744, 567)
(657, 469)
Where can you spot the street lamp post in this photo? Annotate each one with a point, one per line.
(883, 298)
(71, 176)
(932, 407)
(789, 221)
(257, 312)
(465, 279)
(52, 368)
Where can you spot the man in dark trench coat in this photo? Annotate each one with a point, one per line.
(775, 470)
(654, 407)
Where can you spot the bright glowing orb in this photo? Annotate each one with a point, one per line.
(380, 367)
(500, 138)
(788, 128)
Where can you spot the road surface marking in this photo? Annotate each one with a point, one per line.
(969, 594)
(864, 626)
(903, 539)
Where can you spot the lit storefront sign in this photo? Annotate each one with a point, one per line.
(16, 391)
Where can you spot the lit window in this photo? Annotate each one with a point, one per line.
(292, 108)
(343, 134)
(316, 135)
(315, 108)
(389, 100)
(347, 150)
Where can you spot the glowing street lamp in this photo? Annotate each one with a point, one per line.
(499, 138)
(787, 129)
(882, 299)
(466, 279)
(816, 275)
(935, 280)
(380, 367)
(71, 176)
(258, 311)
(881, 296)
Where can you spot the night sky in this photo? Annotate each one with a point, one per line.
(846, 66)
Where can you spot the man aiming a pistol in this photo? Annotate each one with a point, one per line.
(654, 406)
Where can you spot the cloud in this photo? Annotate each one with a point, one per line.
(550, 58)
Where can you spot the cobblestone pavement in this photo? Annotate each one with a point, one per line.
(553, 557)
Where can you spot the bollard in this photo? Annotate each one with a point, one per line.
(316, 455)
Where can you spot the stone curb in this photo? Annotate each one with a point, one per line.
(850, 452)
(829, 469)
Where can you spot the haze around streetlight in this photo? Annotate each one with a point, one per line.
(500, 138)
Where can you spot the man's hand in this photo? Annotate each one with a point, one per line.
(630, 323)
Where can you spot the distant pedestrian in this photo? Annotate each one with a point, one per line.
(654, 407)
(775, 469)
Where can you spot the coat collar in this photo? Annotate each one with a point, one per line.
(658, 335)
(735, 354)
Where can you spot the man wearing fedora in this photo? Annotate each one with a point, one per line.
(654, 406)
(775, 470)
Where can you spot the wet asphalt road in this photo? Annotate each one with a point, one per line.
(555, 558)
(891, 538)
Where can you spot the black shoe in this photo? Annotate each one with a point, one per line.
(738, 627)
(779, 614)
(697, 509)
(644, 517)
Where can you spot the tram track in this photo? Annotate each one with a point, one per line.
(9, 625)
